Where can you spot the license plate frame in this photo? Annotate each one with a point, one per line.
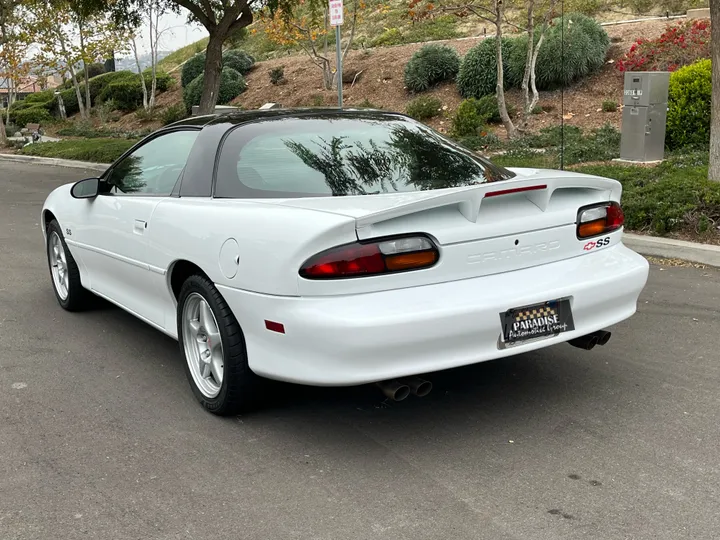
(535, 321)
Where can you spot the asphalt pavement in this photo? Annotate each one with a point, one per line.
(101, 437)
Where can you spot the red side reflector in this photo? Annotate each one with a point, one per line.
(275, 326)
(514, 190)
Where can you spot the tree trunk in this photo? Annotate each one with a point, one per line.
(213, 71)
(78, 94)
(500, 91)
(3, 137)
(133, 46)
(88, 103)
(714, 170)
(528, 60)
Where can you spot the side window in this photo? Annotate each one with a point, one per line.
(154, 168)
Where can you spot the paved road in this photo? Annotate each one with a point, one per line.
(100, 436)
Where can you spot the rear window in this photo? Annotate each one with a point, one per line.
(336, 156)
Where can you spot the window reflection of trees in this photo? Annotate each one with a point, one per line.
(408, 157)
(128, 176)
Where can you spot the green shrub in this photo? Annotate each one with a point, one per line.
(93, 150)
(424, 107)
(391, 36)
(99, 83)
(163, 81)
(487, 107)
(431, 65)
(70, 101)
(483, 141)
(477, 76)
(232, 84)
(238, 60)
(95, 69)
(192, 69)
(583, 49)
(367, 104)
(467, 120)
(432, 29)
(37, 114)
(173, 113)
(277, 75)
(689, 97)
(127, 94)
(609, 106)
(45, 98)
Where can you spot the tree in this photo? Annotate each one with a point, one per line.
(151, 13)
(221, 19)
(311, 31)
(8, 16)
(72, 33)
(714, 170)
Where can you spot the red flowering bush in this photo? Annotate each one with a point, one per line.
(680, 45)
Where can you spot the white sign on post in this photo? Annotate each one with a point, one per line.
(336, 13)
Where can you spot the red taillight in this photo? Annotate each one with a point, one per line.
(372, 258)
(599, 219)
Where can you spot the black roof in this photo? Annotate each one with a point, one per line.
(243, 117)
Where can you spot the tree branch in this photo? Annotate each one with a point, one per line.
(200, 15)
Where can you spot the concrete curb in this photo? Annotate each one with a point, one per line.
(673, 249)
(55, 162)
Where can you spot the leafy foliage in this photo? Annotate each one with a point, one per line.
(232, 84)
(689, 97)
(579, 40)
(37, 114)
(126, 90)
(431, 65)
(477, 76)
(675, 196)
(238, 60)
(487, 107)
(173, 113)
(681, 44)
(609, 106)
(277, 75)
(192, 69)
(93, 150)
(468, 121)
(424, 107)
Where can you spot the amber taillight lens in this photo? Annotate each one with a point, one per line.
(599, 219)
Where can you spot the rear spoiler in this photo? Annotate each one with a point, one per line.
(537, 185)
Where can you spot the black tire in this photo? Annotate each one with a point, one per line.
(78, 297)
(240, 387)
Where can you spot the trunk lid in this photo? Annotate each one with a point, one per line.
(484, 229)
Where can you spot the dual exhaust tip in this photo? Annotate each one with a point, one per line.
(399, 389)
(601, 337)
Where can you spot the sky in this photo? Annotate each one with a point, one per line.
(179, 33)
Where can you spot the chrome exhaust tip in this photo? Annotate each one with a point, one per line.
(585, 342)
(418, 387)
(394, 389)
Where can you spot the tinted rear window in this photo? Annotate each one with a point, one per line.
(337, 156)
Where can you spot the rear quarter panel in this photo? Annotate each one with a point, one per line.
(272, 241)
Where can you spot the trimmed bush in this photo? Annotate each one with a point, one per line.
(477, 76)
(467, 121)
(487, 107)
(238, 60)
(689, 96)
(609, 106)
(99, 83)
(37, 114)
(424, 107)
(192, 69)
(174, 113)
(277, 75)
(232, 84)
(70, 101)
(46, 97)
(93, 150)
(126, 94)
(583, 49)
(431, 65)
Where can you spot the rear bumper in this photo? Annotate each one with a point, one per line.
(362, 338)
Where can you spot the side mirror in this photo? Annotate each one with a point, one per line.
(86, 189)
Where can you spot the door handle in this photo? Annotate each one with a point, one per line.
(140, 226)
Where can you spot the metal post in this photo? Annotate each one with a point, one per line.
(339, 71)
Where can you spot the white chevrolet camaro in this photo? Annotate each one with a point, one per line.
(338, 248)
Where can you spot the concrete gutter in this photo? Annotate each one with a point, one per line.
(673, 249)
(55, 162)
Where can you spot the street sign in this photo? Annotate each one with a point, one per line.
(336, 13)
